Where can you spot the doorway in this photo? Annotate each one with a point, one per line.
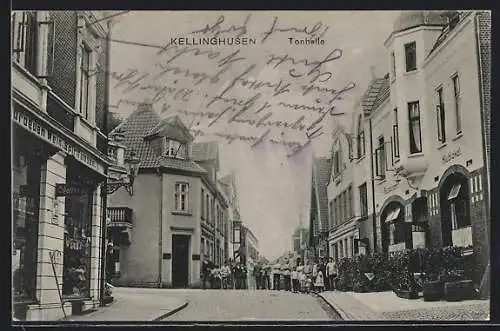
(180, 260)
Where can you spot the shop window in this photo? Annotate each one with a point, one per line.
(26, 173)
(415, 129)
(181, 197)
(77, 243)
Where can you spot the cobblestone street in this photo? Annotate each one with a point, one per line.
(236, 305)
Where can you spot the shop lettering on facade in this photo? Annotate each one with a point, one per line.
(55, 139)
(451, 155)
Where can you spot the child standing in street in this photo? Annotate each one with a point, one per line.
(319, 285)
(295, 280)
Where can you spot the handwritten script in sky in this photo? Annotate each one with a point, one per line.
(265, 90)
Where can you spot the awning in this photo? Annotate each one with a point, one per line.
(454, 191)
(393, 215)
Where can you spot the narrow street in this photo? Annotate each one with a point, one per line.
(237, 305)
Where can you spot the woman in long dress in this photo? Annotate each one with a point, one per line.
(319, 285)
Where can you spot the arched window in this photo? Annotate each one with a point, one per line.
(360, 137)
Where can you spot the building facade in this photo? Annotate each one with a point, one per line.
(343, 234)
(426, 163)
(175, 217)
(59, 160)
(318, 217)
(227, 185)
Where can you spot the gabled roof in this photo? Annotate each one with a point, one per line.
(135, 128)
(375, 94)
(447, 31)
(321, 174)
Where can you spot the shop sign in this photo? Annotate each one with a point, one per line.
(70, 189)
(451, 155)
(45, 133)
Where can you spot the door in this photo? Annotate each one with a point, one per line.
(180, 261)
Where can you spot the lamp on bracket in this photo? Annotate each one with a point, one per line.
(132, 163)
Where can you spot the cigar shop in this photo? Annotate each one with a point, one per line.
(57, 217)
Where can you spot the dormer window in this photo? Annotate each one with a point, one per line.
(174, 148)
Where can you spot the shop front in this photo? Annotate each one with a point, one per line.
(57, 208)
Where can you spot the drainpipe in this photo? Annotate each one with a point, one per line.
(374, 219)
(160, 235)
(105, 187)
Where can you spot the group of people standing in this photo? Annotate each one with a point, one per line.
(230, 275)
(298, 277)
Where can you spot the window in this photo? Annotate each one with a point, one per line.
(202, 246)
(349, 197)
(25, 39)
(393, 65)
(207, 208)
(440, 117)
(181, 196)
(411, 56)
(395, 135)
(380, 159)
(174, 148)
(85, 82)
(330, 206)
(363, 200)
(415, 130)
(336, 163)
(335, 211)
(459, 211)
(202, 204)
(360, 137)
(456, 93)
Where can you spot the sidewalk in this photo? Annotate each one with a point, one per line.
(131, 305)
(388, 306)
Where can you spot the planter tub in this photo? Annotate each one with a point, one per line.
(433, 291)
(407, 294)
(459, 290)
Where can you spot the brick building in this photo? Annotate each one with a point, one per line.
(176, 216)
(59, 160)
(421, 138)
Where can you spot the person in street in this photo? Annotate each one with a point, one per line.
(331, 273)
(110, 263)
(319, 285)
(287, 277)
(276, 276)
(265, 277)
(301, 276)
(257, 275)
(205, 272)
(225, 273)
(295, 280)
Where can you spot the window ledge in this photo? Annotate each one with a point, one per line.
(443, 145)
(419, 154)
(458, 136)
(182, 213)
(410, 73)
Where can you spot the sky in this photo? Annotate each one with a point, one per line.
(218, 89)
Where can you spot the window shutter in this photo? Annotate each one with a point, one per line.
(49, 68)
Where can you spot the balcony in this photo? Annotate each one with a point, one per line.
(412, 166)
(120, 217)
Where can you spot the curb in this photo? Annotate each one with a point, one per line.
(171, 312)
(344, 315)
